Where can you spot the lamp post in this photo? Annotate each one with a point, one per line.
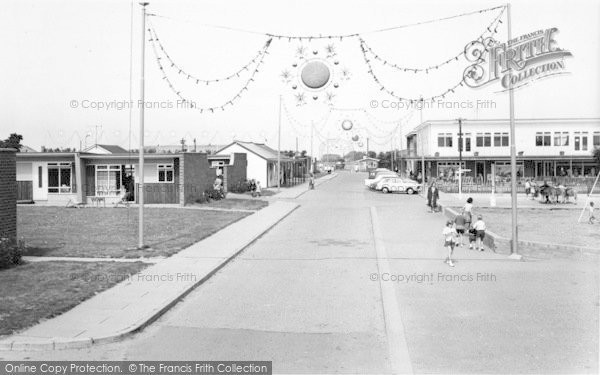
(513, 153)
(141, 151)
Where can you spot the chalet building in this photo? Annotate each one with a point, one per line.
(111, 175)
(262, 164)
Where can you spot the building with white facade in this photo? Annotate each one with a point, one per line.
(551, 147)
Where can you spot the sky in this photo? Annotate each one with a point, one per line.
(70, 69)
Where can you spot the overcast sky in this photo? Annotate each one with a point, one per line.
(57, 53)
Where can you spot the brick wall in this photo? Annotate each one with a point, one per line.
(8, 194)
(197, 177)
(237, 172)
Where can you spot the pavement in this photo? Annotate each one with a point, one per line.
(353, 281)
(141, 298)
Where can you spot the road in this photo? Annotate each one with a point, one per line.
(315, 295)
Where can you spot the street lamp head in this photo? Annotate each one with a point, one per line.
(144, 4)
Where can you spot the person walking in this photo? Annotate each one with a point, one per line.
(480, 227)
(527, 188)
(433, 195)
(591, 210)
(449, 233)
(468, 212)
(459, 225)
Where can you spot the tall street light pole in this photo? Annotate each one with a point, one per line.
(279, 149)
(513, 153)
(141, 151)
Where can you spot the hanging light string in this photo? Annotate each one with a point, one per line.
(212, 109)
(492, 29)
(192, 77)
(404, 99)
(338, 36)
(295, 123)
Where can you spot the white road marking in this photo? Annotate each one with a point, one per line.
(394, 328)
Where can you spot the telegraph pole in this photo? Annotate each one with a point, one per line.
(460, 148)
(513, 153)
(141, 151)
(422, 148)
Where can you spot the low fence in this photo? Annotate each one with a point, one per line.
(582, 185)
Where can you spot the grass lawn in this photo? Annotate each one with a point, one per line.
(237, 204)
(544, 225)
(36, 291)
(112, 232)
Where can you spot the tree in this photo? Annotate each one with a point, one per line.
(14, 141)
(372, 154)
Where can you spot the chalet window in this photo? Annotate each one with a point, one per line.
(59, 178)
(543, 139)
(581, 141)
(561, 138)
(466, 139)
(500, 139)
(484, 139)
(108, 180)
(165, 173)
(596, 139)
(444, 139)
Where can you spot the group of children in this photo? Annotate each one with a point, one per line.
(455, 230)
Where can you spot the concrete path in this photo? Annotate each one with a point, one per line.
(136, 302)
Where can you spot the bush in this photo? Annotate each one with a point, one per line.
(202, 199)
(241, 187)
(214, 194)
(10, 253)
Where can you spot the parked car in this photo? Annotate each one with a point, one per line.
(398, 185)
(376, 173)
(372, 183)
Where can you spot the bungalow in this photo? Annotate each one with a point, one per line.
(365, 164)
(262, 164)
(57, 178)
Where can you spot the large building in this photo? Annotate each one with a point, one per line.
(546, 148)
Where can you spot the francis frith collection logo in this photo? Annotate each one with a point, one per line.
(519, 61)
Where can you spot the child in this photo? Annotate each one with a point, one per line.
(258, 190)
(449, 234)
(472, 237)
(460, 224)
(479, 226)
(591, 209)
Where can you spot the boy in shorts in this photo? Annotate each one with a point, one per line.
(460, 225)
(449, 234)
(480, 227)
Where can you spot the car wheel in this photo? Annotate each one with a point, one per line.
(385, 190)
(410, 191)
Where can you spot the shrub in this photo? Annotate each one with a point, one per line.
(10, 253)
(202, 199)
(213, 194)
(240, 188)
